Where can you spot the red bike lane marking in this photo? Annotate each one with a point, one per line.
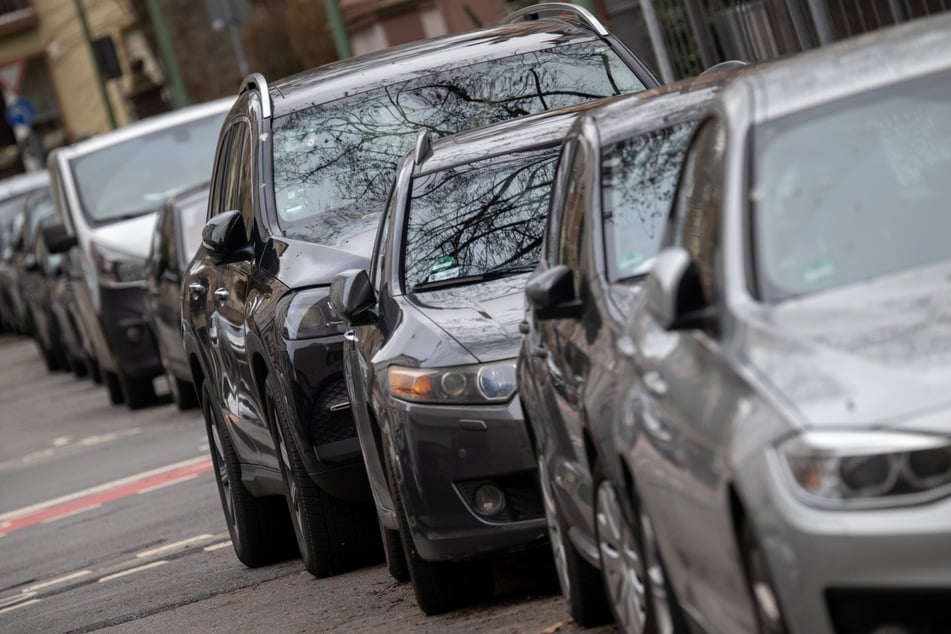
(38, 514)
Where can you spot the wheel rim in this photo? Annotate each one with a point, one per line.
(293, 491)
(663, 619)
(764, 595)
(554, 530)
(623, 568)
(224, 482)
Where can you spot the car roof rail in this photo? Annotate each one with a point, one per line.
(256, 81)
(534, 11)
(424, 146)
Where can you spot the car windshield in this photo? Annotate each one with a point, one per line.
(477, 221)
(192, 219)
(334, 162)
(853, 190)
(8, 210)
(136, 176)
(638, 179)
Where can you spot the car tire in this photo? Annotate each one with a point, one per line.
(395, 557)
(260, 528)
(639, 594)
(138, 393)
(580, 582)
(78, 367)
(762, 589)
(183, 392)
(95, 373)
(50, 358)
(113, 387)
(439, 586)
(333, 535)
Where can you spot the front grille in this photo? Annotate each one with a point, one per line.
(523, 497)
(331, 419)
(890, 611)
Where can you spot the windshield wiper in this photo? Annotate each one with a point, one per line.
(492, 274)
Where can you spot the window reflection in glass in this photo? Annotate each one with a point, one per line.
(853, 190)
(478, 218)
(334, 162)
(638, 180)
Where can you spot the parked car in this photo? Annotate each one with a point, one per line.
(14, 192)
(301, 177)
(616, 178)
(431, 363)
(785, 431)
(107, 190)
(37, 270)
(175, 240)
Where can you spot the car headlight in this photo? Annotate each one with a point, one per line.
(116, 267)
(307, 314)
(868, 468)
(483, 383)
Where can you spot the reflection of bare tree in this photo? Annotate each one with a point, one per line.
(639, 179)
(340, 157)
(478, 217)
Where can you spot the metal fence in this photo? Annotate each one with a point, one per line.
(683, 37)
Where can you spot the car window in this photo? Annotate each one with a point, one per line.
(240, 182)
(853, 190)
(334, 162)
(557, 204)
(638, 180)
(479, 219)
(191, 221)
(571, 236)
(136, 176)
(699, 199)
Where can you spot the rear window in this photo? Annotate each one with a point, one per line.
(334, 162)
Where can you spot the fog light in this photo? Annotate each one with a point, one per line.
(489, 499)
(133, 334)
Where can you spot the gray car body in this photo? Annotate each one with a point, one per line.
(706, 407)
(453, 326)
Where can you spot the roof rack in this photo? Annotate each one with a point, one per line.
(534, 11)
(256, 81)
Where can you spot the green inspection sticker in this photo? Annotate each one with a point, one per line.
(818, 270)
(443, 263)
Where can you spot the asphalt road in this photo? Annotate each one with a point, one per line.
(110, 520)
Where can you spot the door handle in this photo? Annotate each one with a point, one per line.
(655, 383)
(221, 294)
(196, 289)
(350, 336)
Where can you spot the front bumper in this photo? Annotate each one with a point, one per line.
(442, 454)
(122, 314)
(852, 570)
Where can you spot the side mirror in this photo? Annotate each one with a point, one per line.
(675, 297)
(552, 294)
(225, 237)
(353, 297)
(57, 238)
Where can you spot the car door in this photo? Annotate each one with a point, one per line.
(230, 297)
(691, 390)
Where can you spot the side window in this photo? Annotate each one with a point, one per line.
(696, 218)
(219, 177)
(557, 205)
(571, 236)
(240, 174)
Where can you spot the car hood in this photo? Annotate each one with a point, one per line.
(302, 264)
(872, 354)
(482, 318)
(132, 237)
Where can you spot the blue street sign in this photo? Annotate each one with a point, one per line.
(21, 112)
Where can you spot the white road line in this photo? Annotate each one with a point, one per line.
(76, 512)
(176, 546)
(58, 580)
(19, 605)
(16, 599)
(97, 489)
(167, 484)
(214, 547)
(132, 571)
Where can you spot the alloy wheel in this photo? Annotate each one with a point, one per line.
(293, 491)
(625, 571)
(554, 530)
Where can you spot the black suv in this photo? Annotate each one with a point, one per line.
(301, 176)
